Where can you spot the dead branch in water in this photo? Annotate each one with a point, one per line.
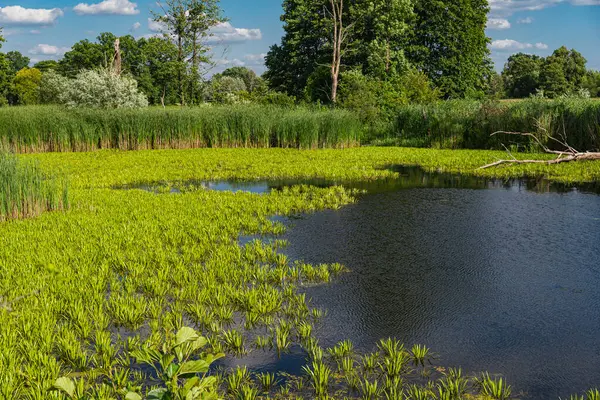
(568, 155)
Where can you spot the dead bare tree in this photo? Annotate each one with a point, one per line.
(569, 153)
(117, 58)
(340, 35)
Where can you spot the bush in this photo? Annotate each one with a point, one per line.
(226, 90)
(26, 86)
(92, 89)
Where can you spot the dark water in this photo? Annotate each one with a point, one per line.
(505, 280)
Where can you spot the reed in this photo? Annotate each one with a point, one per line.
(25, 191)
(55, 129)
(469, 124)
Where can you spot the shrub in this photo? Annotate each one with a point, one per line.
(26, 85)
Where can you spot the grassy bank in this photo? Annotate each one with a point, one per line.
(25, 191)
(47, 128)
(96, 295)
(469, 124)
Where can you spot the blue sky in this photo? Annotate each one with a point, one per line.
(45, 29)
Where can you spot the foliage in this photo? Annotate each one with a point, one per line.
(225, 89)
(101, 89)
(448, 42)
(26, 86)
(25, 191)
(59, 129)
(252, 82)
(46, 65)
(522, 74)
(17, 61)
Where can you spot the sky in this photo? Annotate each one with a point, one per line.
(46, 29)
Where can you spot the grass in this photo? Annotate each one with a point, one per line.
(92, 301)
(51, 128)
(25, 191)
(469, 124)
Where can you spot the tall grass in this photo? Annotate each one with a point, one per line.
(25, 191)
(469, 124)
(48, 128)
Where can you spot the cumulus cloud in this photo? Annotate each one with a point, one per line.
(230, 63)
(509, 44)
(17, 15)
(527, 20)
(155, 26)
(508, 7)
(136, 26)
(48, 50)
(107, 7)
(255, 59)
(225, 33)
(498, 23)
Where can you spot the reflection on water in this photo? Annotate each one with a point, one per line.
(498, 280)
(503, 280)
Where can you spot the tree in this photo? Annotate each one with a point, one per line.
(251, 80)
(46, 65)
(553, 81)
(84, 55)
(591, 83)
(495, 87)
(449, 44)
(303, 47)
(189, 22)
(17, 60)
(573, 65)
(26, 85)
(5, 74)
(379, 36)
(521, 75)
(339, 37)
(157, 75)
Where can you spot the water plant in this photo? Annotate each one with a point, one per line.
(496, 388)
(320, 375)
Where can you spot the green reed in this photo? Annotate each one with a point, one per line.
(50, 128)
(25, 191)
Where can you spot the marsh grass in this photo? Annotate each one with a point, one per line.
(25, 191)
(54, 129)
(461, 124)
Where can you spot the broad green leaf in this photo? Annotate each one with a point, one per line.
(159, 394)
(194, 367)
(184, 335)
(133, 396)
(65, 385)
(172, 370)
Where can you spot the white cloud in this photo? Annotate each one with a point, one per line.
(17, 15)
(508, 7)
(527, 20)
(136, 26)
(111, 7)
(48, 50)
(35, 32)
(255, 59)
(509, 44)
(225, 33)
(226, 62)
(155, 26)
(498, 23)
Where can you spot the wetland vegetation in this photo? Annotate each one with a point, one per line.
(134, 293)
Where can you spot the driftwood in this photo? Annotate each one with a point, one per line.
(567, 155)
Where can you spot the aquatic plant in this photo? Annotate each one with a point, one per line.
(496, 388)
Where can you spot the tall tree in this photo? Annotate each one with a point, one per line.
(189, 22)
(5, 73)
(303, 47)
(521, 74)
(449, 44)
(83, 55)
(379, 36)
(17, 60)
(553, 80)
(46, 65)
(338, 42)
(157, 77)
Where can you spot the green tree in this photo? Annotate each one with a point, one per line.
(379, 36)
(521, 75)
(553, 80)
(46, 65)
(5, 74)
(449, 44)
(303, 46)
(591, 83)
(189, 22)
(157, 77)
(26, 85)
(251, 80)
(17, 61)
(84, 55)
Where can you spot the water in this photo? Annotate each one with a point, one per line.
(504, 280)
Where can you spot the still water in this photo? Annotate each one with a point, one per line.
(496, 276)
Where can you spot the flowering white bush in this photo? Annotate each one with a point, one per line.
(95, 89)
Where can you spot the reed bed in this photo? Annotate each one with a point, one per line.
(469, 124)
(25, 191)
(55, 129)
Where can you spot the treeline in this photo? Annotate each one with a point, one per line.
(562, 73)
